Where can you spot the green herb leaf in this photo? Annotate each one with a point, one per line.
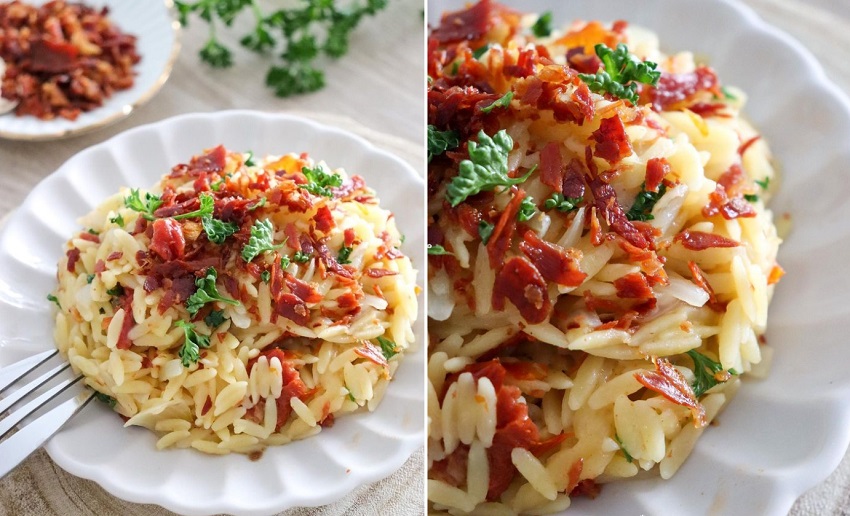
(350, 395)
(626, 454)
(763, 183)
(557, 201)
(192, 343)
(344, 253)
(216, 54)
(644, 202)
(265, 276)
(707, 373)
(118, 219)
(320, 181)
(486, 168)
(116, 291)
(262, 240)
(527, 209)
(543, 26)
(105, 398)
(440, 141)
(302, 257)
(438, 250)
(215, 318)
(206, 209)
(93, 232)
(485, 231)
(54, 299)
(250, 161)
(751, 197)
(480, 51)
(288, 81)
(284, 262)
(217, 230)
(727, 94)
(145, 206)
(207, 292)
(388, 347)
(622, 71)
(503, 101)
(259, 204)
(90, 278)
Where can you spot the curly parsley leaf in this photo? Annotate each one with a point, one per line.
(543, 26)
(216, 54)
(440, 141)
(192, 343)
(207, 293)
(388, 347)
(503, 101)
(438, 250)
(287, 81)
(622, 71)
(344, 254)
(105, 398)
(145, 206)
(527, 209)
(485, 231)
(320, 181)
(206, 209)
(707, 373)
(486, 168)
(215, 318)
(54, 299)
(262, 240)
(644, 202)
(557, 201)
(302, 257)
(217, 230)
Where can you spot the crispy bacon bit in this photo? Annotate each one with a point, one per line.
(574, 475)
(293, 308)
(379, 273)
(349, 237)
(521, 282)
(302, 289)
(467, 25)
(555, 263)
(73, 257)
(776, 273)
(699, 240)
(573, 184)
(85, 235)
(656, 169)
(669, 382)
(292, 236)
(167, 241)
(207, 406)
(551, 166)
(503, 232)
(674, 90)
(330, 262)
(213, 161)
(702, 282)
(324, 219)
(354, 184)
(124, 341)
(605, 199)
(633, 286)
(452, 469)
(99, 266)
(114, 255)
(612, 143)
(727, 199)
(706, 109)
(293, 387)
(371, 352)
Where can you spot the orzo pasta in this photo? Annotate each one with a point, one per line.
(600, 257)
(239, 303)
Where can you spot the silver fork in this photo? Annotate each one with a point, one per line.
(18, 441)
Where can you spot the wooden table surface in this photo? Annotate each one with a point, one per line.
(380, 85)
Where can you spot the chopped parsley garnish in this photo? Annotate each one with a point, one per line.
(116, 291)
(260, 204)
(250, 161)
(145, 206)
(503, 101)
(192, 343)
(440, 141)
(284, 262)
(93, 232)
(205, 210)
(751, 197)
(54, 299)
(485, 231)
(626, 454)
(388, 347)
(265, 276)
(217, 230)
(105, 398)
(707, 373)
(302, 257)
(543, 26)
(215, 318)
(118, 219)
(438, 250)
(480, 51)
(763, 183)
(320, 181)
(261, 240)
(527, 209)
(486, 168)
(621, 74)
(207, 292)
(90, 278)
(216, 186)
(727, 94)
(644, 202)
(350, 395)
(557, 201)
(344, 253)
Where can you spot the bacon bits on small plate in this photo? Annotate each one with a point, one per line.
(71, 67)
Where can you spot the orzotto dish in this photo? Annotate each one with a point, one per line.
(600, 257)
(239, 303)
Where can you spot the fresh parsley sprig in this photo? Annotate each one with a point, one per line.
(440, 141)
(621, 74)
(262, 240)
(217, 230)
(206, 208)
(644, 202)
(207, 293)
(145, 206)
(707, 373)
(320, 181)
(557, 201)
(486, 168)
(299, 34)
(192, 343)
(215, 318)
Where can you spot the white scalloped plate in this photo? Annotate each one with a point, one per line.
(158, 44)
(781, 436)
(358, 449)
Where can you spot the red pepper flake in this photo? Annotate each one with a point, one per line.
(207, 406)
(669, 382)
(699, 240)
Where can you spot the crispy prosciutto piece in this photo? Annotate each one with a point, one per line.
(728, 199)
(612, 143)
(293, 386)
(674, 90)
(73, 257)
(699, 240)
(669, 382)
(552, 166)
(213, 161)
(379, 273)
(555, 263)
(467, 25)
(371, 352)
(503, 232)
(167, 241)
(52, 57)
(633, 286)
(302, 289)
(124, 341)
(605, 200)
(293, 308)
(702, 282)
(521, 282)
(324, 219)
(656, 169)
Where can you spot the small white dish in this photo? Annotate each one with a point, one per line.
(154, 24)
(358, 449)
(781, 436)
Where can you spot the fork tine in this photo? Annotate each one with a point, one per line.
(18, 447)
(10, 400)
(17, 416)
(12, 372)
